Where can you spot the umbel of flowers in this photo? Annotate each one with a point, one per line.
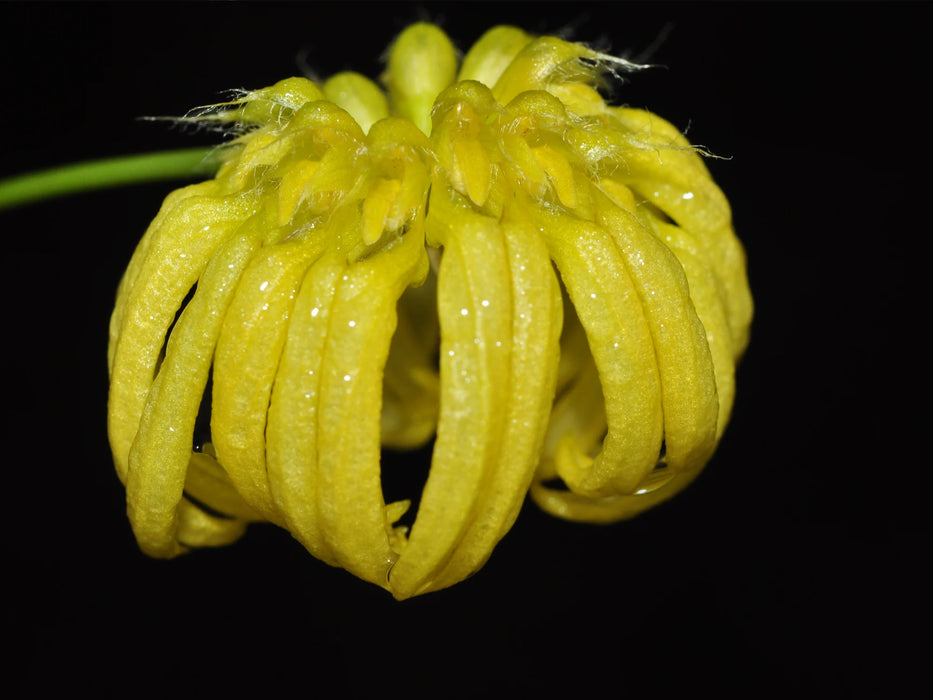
(486, 254)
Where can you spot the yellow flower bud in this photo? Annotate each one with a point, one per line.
(359, 95)
(546, 285)
(422, 62)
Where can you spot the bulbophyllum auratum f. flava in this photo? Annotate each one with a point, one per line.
(486, 254)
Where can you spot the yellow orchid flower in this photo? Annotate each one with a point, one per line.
(486, 254)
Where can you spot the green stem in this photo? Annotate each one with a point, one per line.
(108, 172)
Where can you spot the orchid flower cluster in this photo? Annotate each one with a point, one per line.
(484, 254)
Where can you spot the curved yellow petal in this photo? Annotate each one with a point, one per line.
(536, 323)
(689, 400)
(607, 509)
(294, 421)
(666, 171)
(168, 217)
(161, 452)
(173, 260)
(709, 309)
(607, 303)
(207, 483)
(475, 312)
(362, 321)
(246, 360)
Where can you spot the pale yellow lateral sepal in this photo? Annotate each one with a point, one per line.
(294, 422)
(362, 320)
(666, 171)
(246, 361)
(709, 308)
(161, 452)
(688, 386)
(607, 303)
(174, 259)
(536, 309)
(475, 311)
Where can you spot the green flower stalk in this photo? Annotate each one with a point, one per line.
(487, 254)
(105, 173)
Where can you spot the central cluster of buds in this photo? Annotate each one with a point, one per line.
(488, 255)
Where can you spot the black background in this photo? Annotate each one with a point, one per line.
(792, 568)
